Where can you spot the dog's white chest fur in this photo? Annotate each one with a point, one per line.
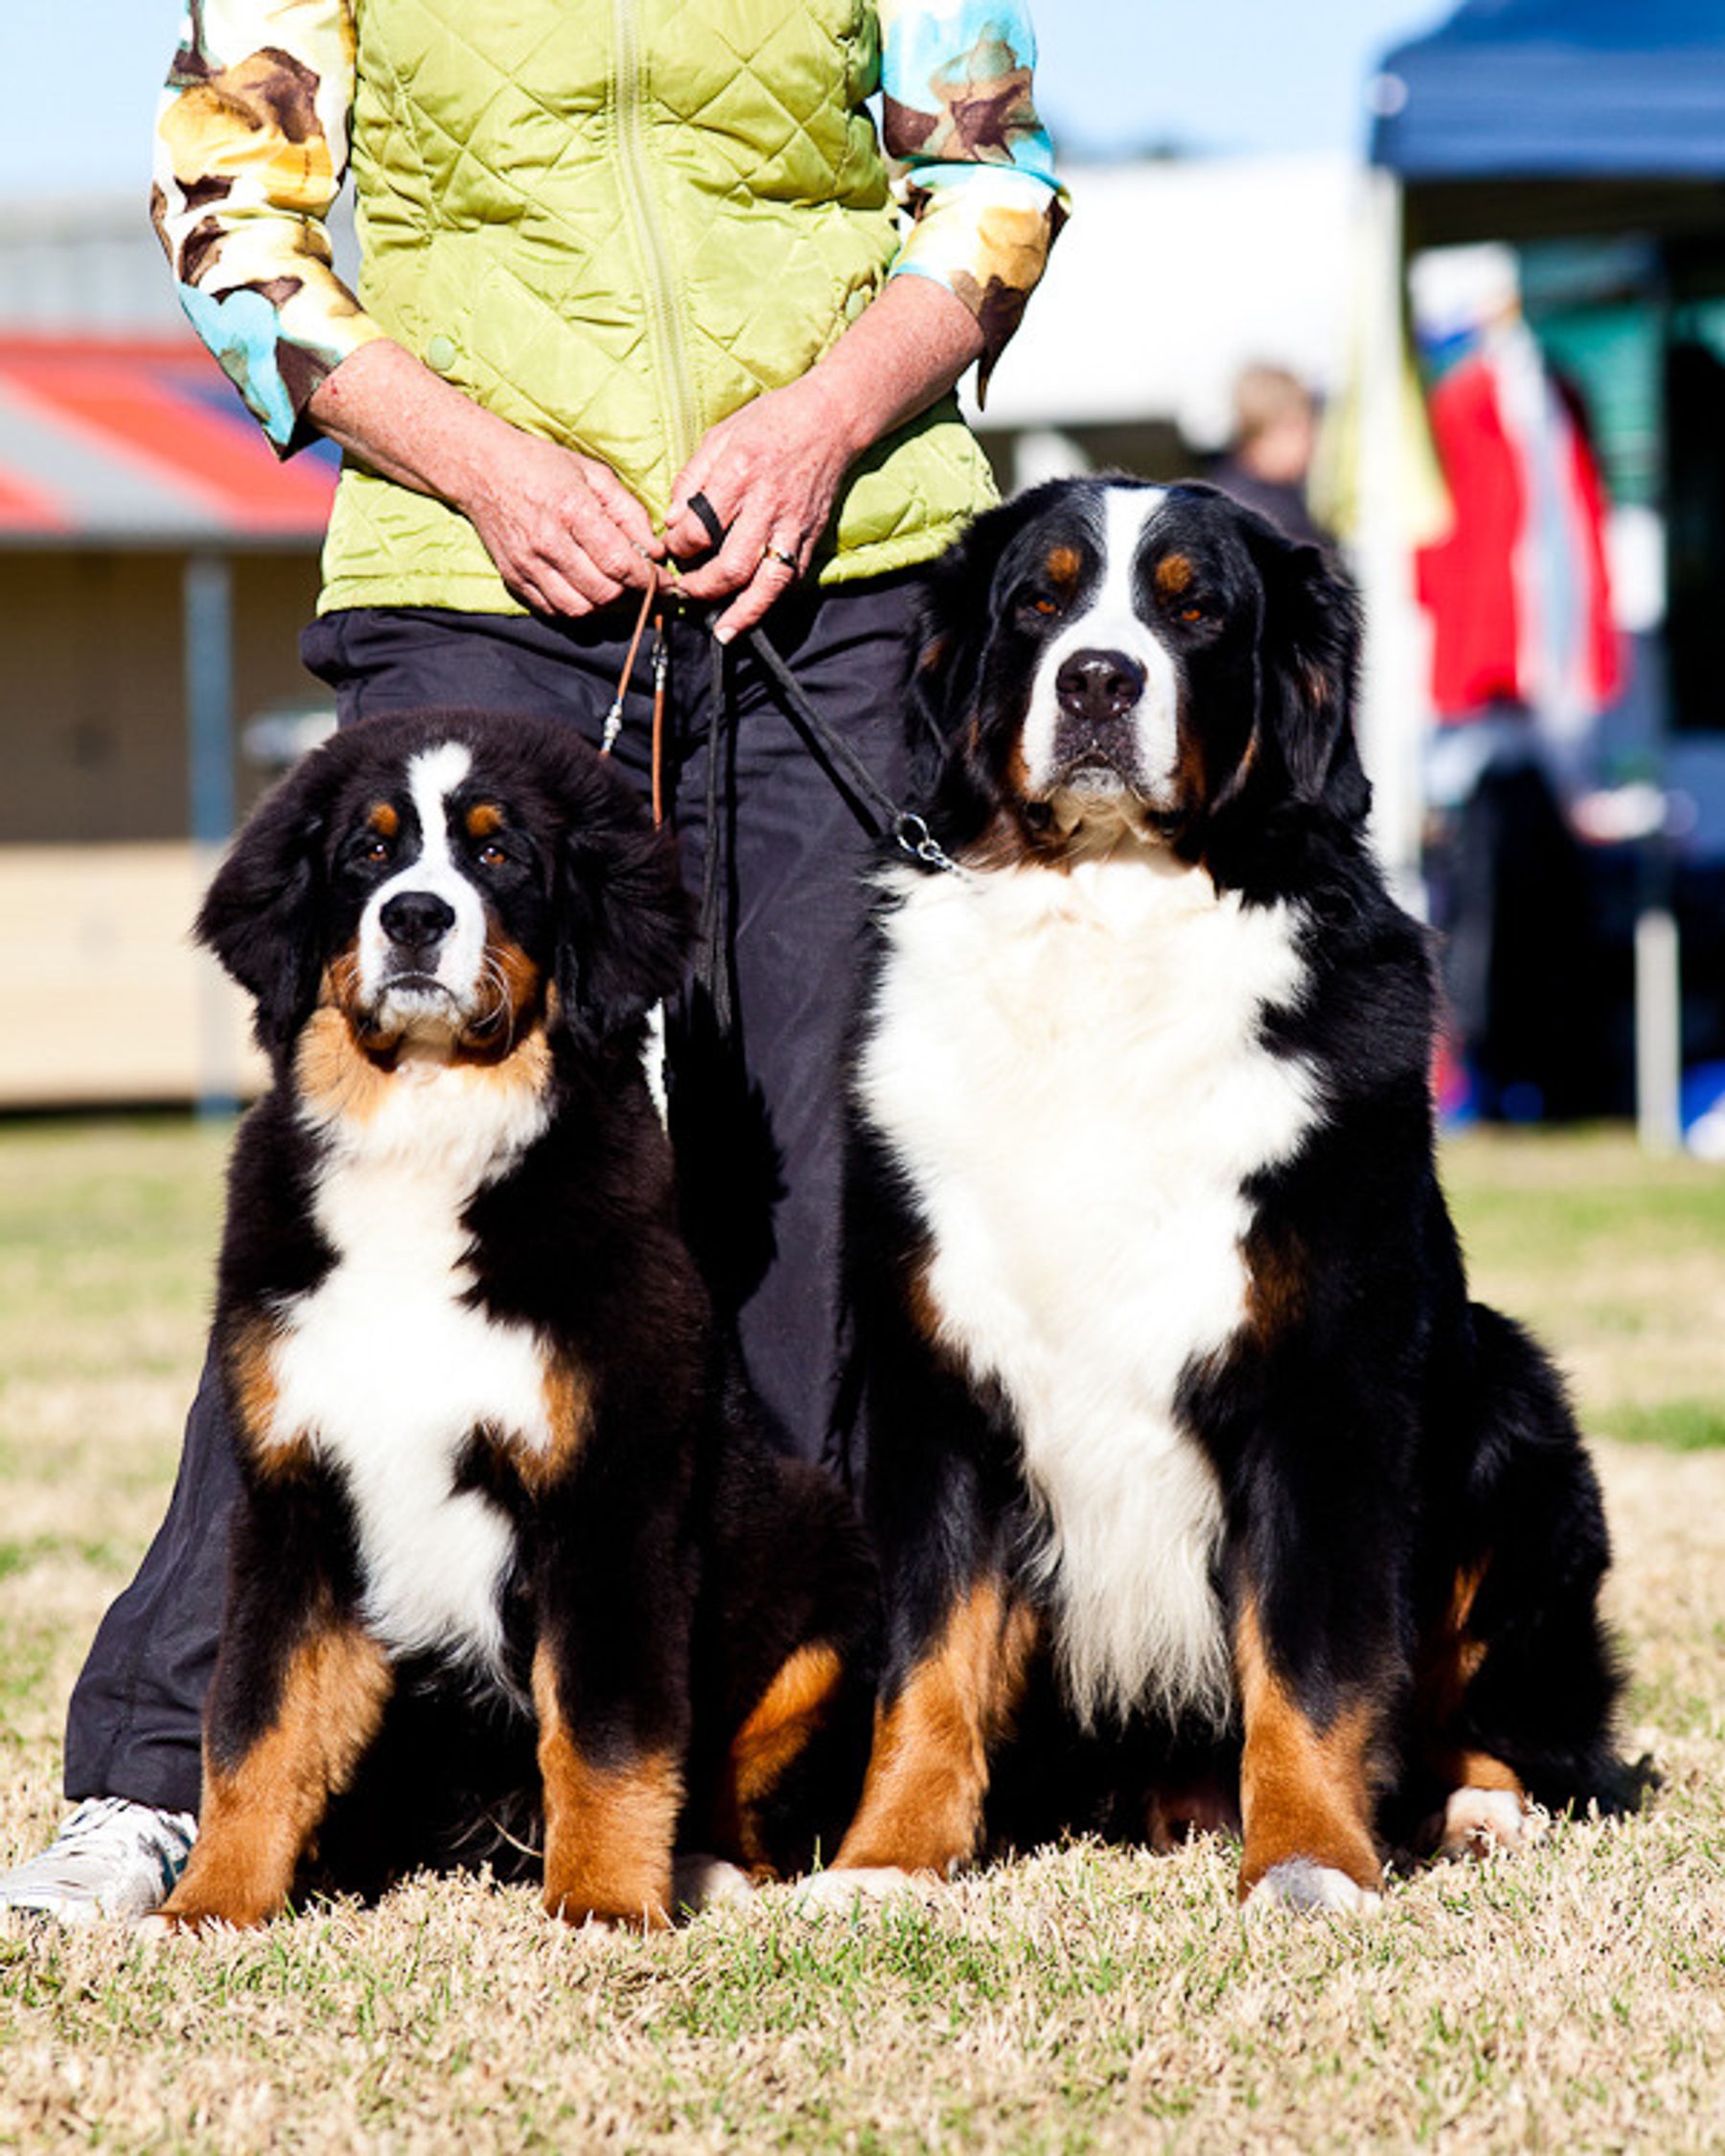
(385, 1369)
(1070, 1070)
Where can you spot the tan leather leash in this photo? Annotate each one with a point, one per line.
(874, 809)
(653, 608)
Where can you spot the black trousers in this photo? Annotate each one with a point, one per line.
(756, 1116)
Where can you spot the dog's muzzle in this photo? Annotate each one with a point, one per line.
(416, 924)
(1097, 695)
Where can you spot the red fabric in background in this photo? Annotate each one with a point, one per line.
(1464, 581)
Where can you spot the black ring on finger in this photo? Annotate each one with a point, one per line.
(701, 507)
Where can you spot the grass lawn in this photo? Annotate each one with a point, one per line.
(1079, 1999)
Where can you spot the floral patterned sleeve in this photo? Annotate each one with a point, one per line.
(251, 146)
(979, 165)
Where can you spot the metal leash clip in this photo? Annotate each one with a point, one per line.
(914, 836)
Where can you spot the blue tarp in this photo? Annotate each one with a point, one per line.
(1558, 89)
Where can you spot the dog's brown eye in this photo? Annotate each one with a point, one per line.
(492, 856)
(376, 850)
(1191, 613)
(1046, 606)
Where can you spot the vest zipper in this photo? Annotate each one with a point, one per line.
(674, 377)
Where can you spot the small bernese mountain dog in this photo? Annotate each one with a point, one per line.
(1200, 1487)
(506, 1527)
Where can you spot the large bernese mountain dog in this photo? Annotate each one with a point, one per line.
(1199, 1484)
(506, 1531)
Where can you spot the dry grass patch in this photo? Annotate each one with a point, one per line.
(1080, 1999)
(1617, 1261)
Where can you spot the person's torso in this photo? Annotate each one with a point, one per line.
(613, 222)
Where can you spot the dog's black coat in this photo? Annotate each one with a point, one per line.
(1406, 1505)
(662, 1565)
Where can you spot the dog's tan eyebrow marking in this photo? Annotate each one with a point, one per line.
(483, 819)
(384, 820)
(1174, 574)
(1063, 564)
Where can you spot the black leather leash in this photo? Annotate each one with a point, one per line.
(876, 810)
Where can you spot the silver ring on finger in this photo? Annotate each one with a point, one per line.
(771, 553)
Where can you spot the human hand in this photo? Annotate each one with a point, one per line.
(770, 473)
(566, 534)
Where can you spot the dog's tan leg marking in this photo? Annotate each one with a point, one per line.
(258, 1814)
(928, 1773)
(1487, 1807)
(1306, 1793)
(789, 1713)
(607, 1831)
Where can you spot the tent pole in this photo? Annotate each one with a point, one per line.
(1390, 722)
(207, 604)
(1658, 958)
(1657, 1031)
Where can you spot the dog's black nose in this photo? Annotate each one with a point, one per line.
(416, 919)
(1098, 686)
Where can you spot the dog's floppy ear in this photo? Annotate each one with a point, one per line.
(623, 927)
(260, 915)
(1308, 660)
(954, 626)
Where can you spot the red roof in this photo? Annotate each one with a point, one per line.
(142, 441)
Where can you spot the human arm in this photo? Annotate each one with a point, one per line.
(772, 471)
(251, 148)
(566, 534)
(984, 208)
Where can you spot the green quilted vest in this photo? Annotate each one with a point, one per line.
(613, 222)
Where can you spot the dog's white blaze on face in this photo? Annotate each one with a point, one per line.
(384, 1368)
(432, 776)
(1110, 622)
(1077, 1122)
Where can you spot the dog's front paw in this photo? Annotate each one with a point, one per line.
(836, 1892)
(191, 1920)
(701, 1882)
(1313, 1890)
(630, 1916)
(1477, 1822)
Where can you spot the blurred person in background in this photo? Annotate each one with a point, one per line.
(1265, 464)
(1525, 656)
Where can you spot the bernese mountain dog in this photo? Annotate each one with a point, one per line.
(1201, 1489)
(506, 1530)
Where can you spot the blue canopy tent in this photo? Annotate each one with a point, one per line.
(1537, 120)
(1534, 118)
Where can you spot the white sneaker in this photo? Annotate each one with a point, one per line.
(110, 1858)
